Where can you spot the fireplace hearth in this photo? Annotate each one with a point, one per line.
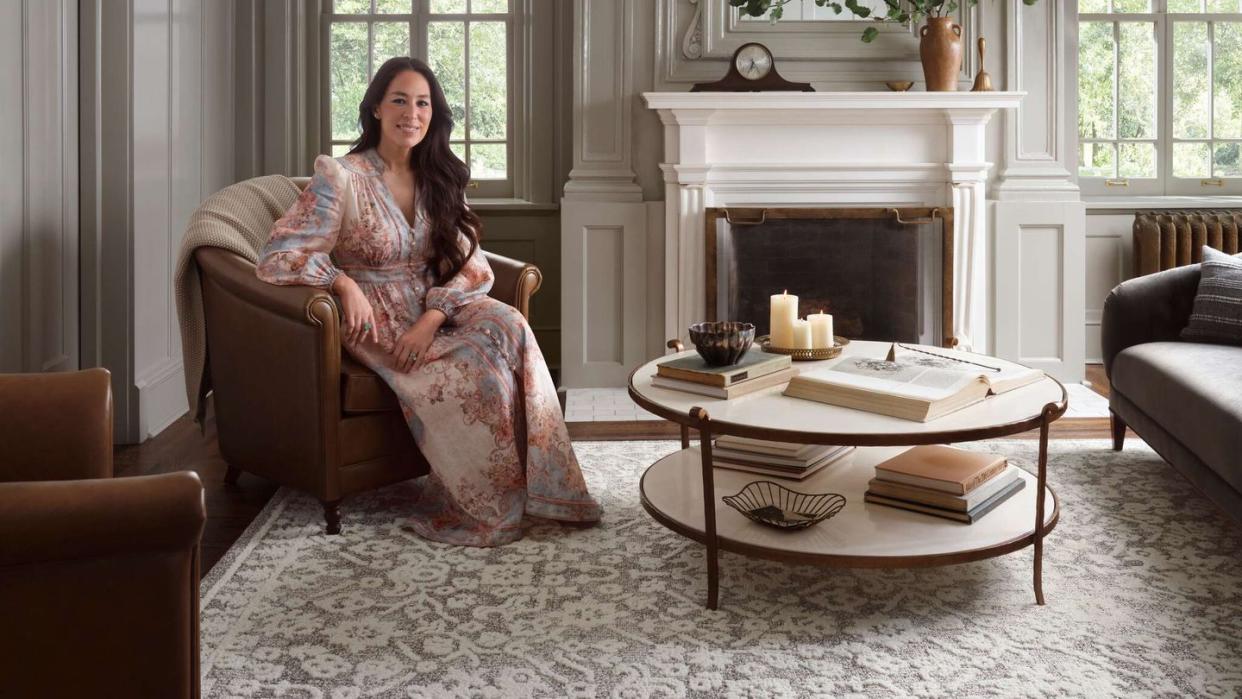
(881, 272)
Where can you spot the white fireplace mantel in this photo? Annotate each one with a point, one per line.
(791, 149)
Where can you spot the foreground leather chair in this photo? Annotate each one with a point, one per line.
(290, 404)
(98, 576)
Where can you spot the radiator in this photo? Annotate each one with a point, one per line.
(1167, 239)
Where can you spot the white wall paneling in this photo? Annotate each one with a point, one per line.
(38, 209)
(1108, 263)
(1040, 248)
(603, 87)
(1038, 215)
(604, 292)
(157, 145)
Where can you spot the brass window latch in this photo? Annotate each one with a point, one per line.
(1212, 182)
(1117, 183)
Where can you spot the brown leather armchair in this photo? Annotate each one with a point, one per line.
(290, 405)
(98, 576)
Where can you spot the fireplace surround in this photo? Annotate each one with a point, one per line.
(828, 149)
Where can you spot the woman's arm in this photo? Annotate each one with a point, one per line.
(299, 249)
(470, 283)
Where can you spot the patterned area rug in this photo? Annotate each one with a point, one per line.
(1143, 579)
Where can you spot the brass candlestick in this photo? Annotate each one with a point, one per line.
(983, 81)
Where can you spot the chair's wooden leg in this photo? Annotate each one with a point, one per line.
(1119, 430)
(332, 516)
(231, 475)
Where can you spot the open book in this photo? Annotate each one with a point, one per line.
(919, 385)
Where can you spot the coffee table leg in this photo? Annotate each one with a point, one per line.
(709, 507)
(1039, 503)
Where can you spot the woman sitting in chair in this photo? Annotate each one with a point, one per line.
(387, 229)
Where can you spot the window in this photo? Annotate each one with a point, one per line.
(1160, 96)
(468, 43)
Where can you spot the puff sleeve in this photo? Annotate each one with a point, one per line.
(299, 250)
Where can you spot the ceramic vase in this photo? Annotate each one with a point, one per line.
(940, 48)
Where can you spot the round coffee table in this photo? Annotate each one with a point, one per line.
(682, 491)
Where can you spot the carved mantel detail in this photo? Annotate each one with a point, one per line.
(692, 42)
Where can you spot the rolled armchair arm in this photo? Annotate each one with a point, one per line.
(56, 426)
(515, 281)
(45, 521)
(237, 276)
(1151, 308)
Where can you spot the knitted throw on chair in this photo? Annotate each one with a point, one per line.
(239, 219)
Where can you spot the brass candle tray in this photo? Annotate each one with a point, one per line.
(805, 355)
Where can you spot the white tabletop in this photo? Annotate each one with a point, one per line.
(768, 409)
(673, 487)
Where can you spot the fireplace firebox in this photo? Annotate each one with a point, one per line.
(883, 273)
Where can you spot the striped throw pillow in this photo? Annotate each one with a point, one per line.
(1217, 315)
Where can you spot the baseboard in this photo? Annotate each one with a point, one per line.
(161, 397)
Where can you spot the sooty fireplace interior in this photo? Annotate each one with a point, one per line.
(883, 273)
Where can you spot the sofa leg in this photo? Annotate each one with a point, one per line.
(332, 516)
(1119, 430)
(231, 475)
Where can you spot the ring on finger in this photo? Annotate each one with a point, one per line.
(366, 327)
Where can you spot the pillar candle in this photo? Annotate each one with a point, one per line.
(801, 335)
(821, 330)
(784, 313)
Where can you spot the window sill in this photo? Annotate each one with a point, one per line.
(492, 204)
(1106, 203)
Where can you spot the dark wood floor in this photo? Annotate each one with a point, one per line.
(230, 509)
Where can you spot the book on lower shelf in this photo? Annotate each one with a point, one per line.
(752, 365)
(970, 516)
(944, 481)
(734, 390)
(941, 467)
(809, 458)
(918, 385)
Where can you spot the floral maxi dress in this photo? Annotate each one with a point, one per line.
(482, 407)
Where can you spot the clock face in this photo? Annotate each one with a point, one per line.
(753, 61)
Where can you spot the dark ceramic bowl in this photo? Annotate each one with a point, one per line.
(721, 343)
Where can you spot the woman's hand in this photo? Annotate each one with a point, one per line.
(358, 318)
(410, 350)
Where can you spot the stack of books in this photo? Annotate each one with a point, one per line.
(945, 482)
(779, 459)
(756, 370)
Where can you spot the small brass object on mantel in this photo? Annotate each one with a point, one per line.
(983, 81)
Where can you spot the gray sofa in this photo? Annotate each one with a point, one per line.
(1182, 398)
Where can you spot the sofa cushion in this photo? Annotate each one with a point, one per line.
(1194, 391)
(362, 390)
(1217, 316)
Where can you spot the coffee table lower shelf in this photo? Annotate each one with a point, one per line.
(862, 535)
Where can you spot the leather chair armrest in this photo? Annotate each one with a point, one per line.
(56, 426)
(515, 281)
(1151, 308)
(43, 521)
(236, 275)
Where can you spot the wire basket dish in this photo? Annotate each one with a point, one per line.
(775, 505)
(805, 355)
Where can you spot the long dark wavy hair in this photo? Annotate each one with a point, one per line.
(440, 175)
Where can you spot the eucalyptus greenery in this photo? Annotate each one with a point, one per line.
(903, 11)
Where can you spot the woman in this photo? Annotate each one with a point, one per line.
(387, 229)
